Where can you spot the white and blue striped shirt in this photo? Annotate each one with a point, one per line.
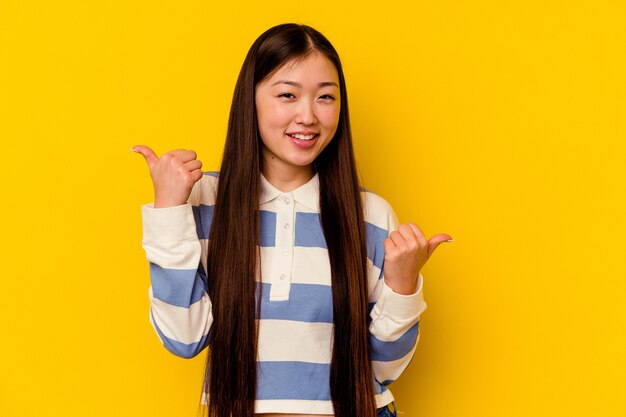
(296, 323)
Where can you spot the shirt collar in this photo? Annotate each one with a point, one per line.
(307, 194)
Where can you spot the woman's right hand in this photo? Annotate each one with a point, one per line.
(173, 175)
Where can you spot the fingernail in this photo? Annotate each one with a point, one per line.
(450, 240)
(133, 149)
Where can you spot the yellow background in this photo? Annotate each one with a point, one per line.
(501, 123)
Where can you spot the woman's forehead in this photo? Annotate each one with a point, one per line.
(314, 68)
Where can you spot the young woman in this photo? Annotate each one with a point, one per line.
(276, 262)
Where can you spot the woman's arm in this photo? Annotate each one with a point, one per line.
(394, 331)
(180, 308)
(396, 255)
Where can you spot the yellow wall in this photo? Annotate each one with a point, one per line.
(501, 123)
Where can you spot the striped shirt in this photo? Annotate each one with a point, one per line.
(296, 321)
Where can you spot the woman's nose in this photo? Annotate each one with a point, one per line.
(306, 113)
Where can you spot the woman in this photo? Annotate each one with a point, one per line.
(276, 263)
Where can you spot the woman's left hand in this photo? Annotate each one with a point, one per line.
(406, 252)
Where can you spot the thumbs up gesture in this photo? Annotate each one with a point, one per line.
(406, 252)
(173, 175)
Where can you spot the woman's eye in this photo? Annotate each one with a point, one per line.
(327, 97)
(287, 95)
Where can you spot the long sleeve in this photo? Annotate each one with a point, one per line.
(180, 308)
(394, 318)
(394, 332)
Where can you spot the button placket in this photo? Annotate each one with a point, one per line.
(285, 215)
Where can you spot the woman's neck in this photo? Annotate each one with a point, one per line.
(287, 180)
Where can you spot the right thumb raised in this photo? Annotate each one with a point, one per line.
(147, 153)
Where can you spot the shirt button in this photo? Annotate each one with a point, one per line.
(286, 225)
(286, 200)
(282, 277)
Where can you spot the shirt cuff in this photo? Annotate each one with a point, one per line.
(168, 224)
(400, 305)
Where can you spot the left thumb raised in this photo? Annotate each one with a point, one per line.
(436, 240)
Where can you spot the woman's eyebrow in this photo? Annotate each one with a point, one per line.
(296, 84)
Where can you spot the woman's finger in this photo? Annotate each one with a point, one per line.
(192, 165)
(389, 246)
(196, 174)
(397, 238)
(421, 239)
(184, 155)
(407, 232)
(148, 154)
(436, 240)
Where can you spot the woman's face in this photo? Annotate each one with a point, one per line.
(298, 112)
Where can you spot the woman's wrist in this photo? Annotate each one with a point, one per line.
(161, 203)
(403, 287)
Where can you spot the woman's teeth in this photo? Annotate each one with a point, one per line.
(302, 137)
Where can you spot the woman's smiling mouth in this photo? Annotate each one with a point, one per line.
(302, 136)
(304, 141)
